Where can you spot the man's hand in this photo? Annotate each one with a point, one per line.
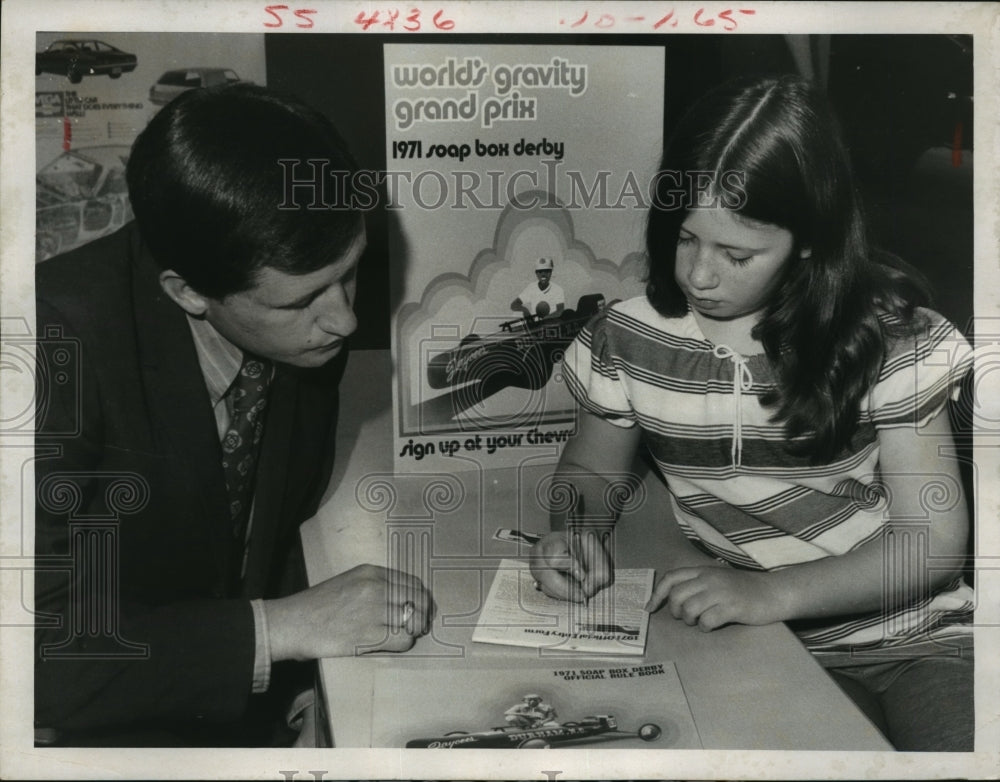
(713, 596)
(573, 564)
(366, 609)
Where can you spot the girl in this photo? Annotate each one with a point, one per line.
(791, 388)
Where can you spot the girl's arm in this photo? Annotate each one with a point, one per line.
(574, 564)
(925, 496)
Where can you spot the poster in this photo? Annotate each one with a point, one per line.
(101, 111)
(518, 222)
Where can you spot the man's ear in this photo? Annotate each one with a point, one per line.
(805, 252)
(183, 295)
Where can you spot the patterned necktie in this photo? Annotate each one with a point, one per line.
(241, 443)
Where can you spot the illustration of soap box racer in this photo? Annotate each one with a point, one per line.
(601, 727)
(522, 354)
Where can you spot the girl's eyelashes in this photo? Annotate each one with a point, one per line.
(738, 260)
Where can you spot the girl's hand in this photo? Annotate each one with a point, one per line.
(716, 595)
(572, 565)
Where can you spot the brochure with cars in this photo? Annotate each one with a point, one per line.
(590, 706)
(613, 621)
(517, 216)
(94, 93)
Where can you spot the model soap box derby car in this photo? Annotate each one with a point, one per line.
(600, 727)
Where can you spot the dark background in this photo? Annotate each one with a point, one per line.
(904, 102)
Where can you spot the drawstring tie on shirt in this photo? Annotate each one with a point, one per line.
(742, 381)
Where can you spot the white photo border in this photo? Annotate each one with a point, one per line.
(22, 19)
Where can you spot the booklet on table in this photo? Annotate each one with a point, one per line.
(613, 621)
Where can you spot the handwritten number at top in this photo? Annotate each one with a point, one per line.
(277, 14)
(411, 23)
(414, 19)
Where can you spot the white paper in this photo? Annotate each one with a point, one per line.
(612, 622)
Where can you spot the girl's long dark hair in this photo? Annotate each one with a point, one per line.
(770, 149)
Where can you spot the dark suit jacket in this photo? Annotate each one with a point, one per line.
(137, 619)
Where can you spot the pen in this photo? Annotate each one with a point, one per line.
(516, 536)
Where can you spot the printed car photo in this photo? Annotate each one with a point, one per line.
(80, 196)
(601, 727)
(522, 354)
(75, 58)
(173, 83)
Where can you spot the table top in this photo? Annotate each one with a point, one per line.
(747, 687)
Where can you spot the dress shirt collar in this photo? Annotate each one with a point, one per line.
(219, 358)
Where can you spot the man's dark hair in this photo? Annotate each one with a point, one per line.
(206, 185)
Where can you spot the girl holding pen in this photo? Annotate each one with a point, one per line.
(791, 386)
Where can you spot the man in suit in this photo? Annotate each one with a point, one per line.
(188, 370)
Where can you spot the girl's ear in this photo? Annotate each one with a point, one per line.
(805, 252)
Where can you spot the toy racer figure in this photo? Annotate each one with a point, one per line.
(531, 713)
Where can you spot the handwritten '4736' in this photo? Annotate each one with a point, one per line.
(411, 23)
(386, 19)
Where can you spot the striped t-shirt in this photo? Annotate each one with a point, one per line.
(736, 490)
